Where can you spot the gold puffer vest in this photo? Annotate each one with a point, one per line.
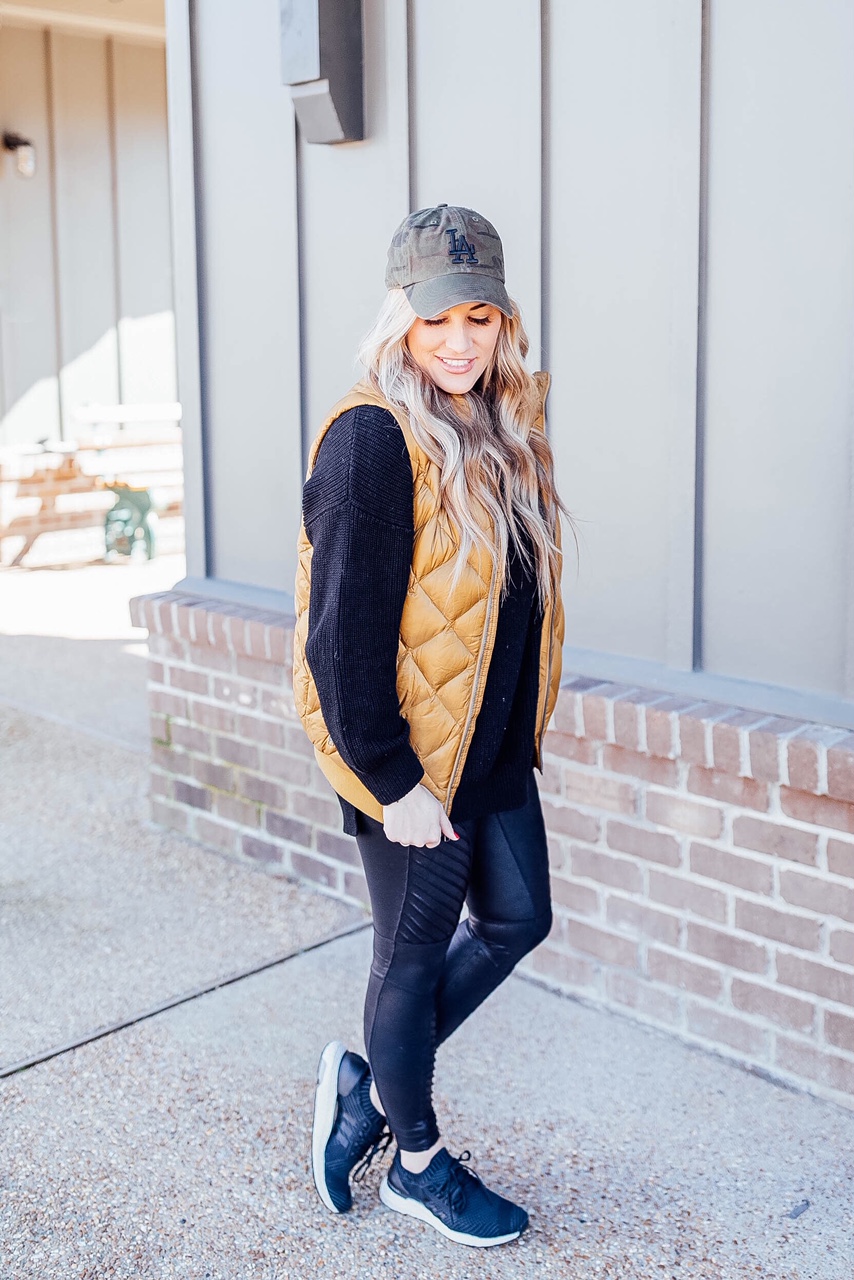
(447, 633)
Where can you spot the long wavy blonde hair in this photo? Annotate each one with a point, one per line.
(489, 453)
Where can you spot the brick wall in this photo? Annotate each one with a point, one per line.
(702, 855)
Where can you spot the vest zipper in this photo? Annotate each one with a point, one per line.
(464, 741)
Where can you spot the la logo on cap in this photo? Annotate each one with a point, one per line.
(461, 250)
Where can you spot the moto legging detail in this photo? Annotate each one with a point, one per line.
(430, 969)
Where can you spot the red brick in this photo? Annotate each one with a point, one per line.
(627, 720)
(558, 853)
(582, 750)
(210, 659)
(595, 712)
(168, 647)
(817, 979)
(727, 737)
(692, 736)
(839, 1030)
(731, 868)
(570, 971)
(235, 752)
(627, 990)
(653, 846)
(713, 1024)
(564, 719)
(840, 858)
(564, 819)
(160, 784)
(650, 768)
(684, 974)
(262, 790)
(661, 727)
(842, 946)
(156, 672)
(169, 815)
(220, 776)
(821, 811)
(745, 792)
(168, 704)
(190, 681)
(235, 627)
(645, 922)
(343, 848)
(159, 729)
(171, 760)
(235, 691)
(686, 895)
(284, 827)
(261, 850)
(198, 797)
(774, 1006)
(313, 869)
(840, 769)
(780, 926)
(599, 792)
(596, 865)
(285, 767)
(280, 643)
(776, 839)
(580, 898)
(297, 742)
(605, 946)
(802, 756)
(319, 810)
(256, 634)
(765, 747)
(725, 948)
(226, 839)
(825, 1068)
(551, 782)
(355, 887)
(270, 732)
(190, 738)
(269, 673)
(684, 815)
(212, 717)
(817, 894)
(236, 810)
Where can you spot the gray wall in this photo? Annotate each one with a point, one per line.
(85, 246)
(679, 241)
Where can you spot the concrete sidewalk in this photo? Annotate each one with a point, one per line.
(178, 1144)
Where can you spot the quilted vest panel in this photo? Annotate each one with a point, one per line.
(447, 632)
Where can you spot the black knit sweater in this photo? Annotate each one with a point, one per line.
(357, 509)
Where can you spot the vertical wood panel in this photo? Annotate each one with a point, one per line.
(624, 178)
(146, 321)
(250, 308)
(780, 342)
(477, 127)
(352, 196)
(84, 223)
(29, 389)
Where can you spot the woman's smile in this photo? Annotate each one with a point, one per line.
(454, 349)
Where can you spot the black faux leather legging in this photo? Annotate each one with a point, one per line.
(430, 970)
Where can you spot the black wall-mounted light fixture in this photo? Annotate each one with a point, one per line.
(23, 151)
(322, 61)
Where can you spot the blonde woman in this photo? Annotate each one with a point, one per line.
(427, 663)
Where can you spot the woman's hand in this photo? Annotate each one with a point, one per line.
(418, 818)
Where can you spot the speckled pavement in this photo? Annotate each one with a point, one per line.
(179, 1145)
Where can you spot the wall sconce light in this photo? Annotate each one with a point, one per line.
(24, 153)
(322, 62)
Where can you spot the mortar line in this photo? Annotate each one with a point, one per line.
(175, 1001)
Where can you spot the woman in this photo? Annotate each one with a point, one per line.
(427, 662)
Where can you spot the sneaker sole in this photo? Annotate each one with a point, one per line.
(415, 1209)
(325, 1105)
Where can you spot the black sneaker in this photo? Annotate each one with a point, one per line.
(453, 1200)
(347, 1126)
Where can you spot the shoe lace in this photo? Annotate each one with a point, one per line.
(459, 1180)
(379, 1148)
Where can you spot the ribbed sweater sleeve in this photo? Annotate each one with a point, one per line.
(357, 511)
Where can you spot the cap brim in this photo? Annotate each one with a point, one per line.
(430, 298)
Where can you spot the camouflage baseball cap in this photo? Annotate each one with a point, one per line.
(447, 255)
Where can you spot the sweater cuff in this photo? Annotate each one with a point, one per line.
(394, 777)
